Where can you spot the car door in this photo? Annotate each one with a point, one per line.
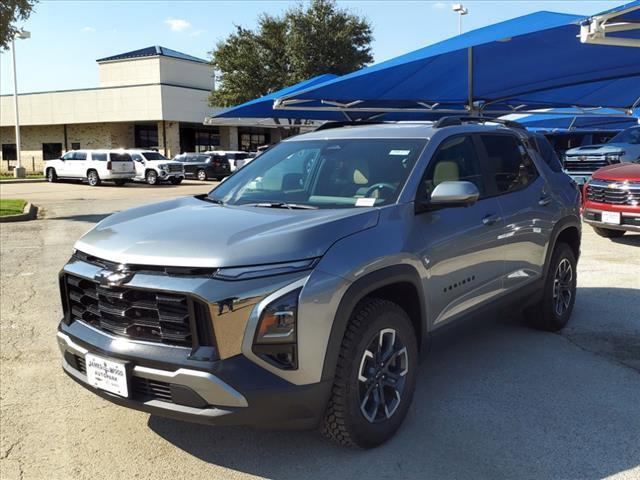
(63, 166)
(139, 163)
(461, 245)
(78, 166)
(527, 204)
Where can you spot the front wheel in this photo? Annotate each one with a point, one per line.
(52, 177)
(93, 178)
(375, 375)
(554, 309)
(608, 232)
(151, 177)
(202, 175)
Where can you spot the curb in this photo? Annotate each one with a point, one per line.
(23, 180)
(30, 212)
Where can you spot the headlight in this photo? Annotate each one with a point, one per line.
(275, 338)
(258, 271)
(613, 157)
(163, 166)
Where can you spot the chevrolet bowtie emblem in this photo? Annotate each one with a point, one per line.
(110, 278)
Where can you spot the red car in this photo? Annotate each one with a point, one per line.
(611, 200)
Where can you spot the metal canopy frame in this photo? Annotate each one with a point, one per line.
(595, 30)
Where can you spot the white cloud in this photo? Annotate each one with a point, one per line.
(197, 33)
(439, 5)
(177, 24)
(88, 29)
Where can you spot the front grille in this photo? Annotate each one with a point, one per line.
(614, 193)
(175, 168)
(129, 312)
(585, 163)
(143, 388)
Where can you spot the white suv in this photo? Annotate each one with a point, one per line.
(153, 167)
(92, 165)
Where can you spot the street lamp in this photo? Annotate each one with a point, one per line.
(460, 10)
(19, 171)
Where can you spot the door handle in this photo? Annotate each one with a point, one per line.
(544, 201)
(491, 219)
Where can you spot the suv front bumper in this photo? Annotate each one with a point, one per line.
(163, 380)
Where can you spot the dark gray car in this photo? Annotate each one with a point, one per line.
(300, 292)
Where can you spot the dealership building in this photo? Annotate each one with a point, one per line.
(153, 98)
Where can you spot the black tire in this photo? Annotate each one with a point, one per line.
(93, 178)
(175, 180)
(559, 296)
(151, 177)
(52, 177)
(202, 175)
(119, 183)
(608, 232)
(345, 419)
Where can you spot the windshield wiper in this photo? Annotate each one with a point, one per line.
(207, 198)
(290, 206)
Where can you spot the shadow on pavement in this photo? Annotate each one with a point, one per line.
(494, 400)
(628, 239)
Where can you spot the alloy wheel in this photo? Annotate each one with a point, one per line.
(93, 179)
(382, 376)
(562, 287)
(202, 175)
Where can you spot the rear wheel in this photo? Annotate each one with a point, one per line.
(609, 232)
(553, 311)
(151, 177)
(176, 180)
(93, 178)
(202, 175)
(375, 376)
(51, 175)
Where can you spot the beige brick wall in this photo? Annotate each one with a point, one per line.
(173, 138)
(89, 135)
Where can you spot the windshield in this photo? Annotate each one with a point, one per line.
(324, 173)
(154, 156)
(630, 136)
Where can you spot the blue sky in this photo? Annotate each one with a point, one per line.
(68, 36)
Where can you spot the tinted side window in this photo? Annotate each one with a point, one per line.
(455, 160)
(80, 156)
(99, 157)
(509, 166)
(68, 156)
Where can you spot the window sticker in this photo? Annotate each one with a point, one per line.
(365, 202)
(400, 152)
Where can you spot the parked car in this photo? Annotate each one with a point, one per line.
(236, 159)
(92, 165)
(562, 140)
(612, 200)
(205, 166)
(581, 162)
(153, 167)
(301, 291)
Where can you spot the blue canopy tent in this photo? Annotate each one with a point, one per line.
(527, 63)
(263, 107)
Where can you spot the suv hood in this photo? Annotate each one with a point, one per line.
(155, 163)
(193, 233)
(607, 148)
(619, 172)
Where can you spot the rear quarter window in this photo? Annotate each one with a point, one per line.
(100, 157)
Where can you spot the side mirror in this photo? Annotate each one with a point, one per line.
(452, 194)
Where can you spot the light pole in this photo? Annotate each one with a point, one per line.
(460, 10)
(19, 171)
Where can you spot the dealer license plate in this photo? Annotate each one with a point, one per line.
(611, 217)
(107, 375)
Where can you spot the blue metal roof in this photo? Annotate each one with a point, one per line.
(153, 52)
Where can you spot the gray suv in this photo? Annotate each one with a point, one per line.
(300, 292)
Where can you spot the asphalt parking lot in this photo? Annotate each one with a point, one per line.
(494, 399)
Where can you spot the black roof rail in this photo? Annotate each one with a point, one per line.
(462, 119)
(347, 123)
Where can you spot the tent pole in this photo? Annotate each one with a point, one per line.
(470, 78)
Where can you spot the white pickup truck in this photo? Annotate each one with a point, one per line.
(153, 167)
(94, 166)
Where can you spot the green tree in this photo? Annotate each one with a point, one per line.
(307, 40)
(12, 11)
